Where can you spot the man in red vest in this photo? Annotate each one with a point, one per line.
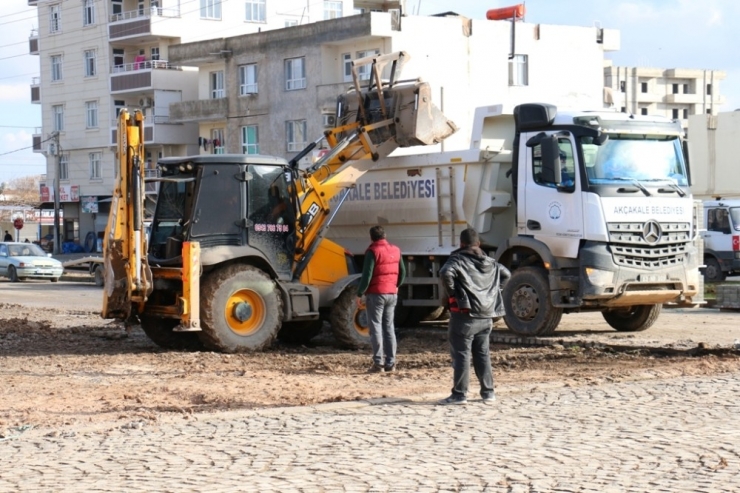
(382, 273)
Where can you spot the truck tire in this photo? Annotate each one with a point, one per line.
(632, 318)
(241, 309)
(98, 275)
(529, 311)
(348, 323)
(713, 271)
(300, 332)
(159, 331)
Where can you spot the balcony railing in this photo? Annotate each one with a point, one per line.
(146, 13)
(136, 75)
(143, 65)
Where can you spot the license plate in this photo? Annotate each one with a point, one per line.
(649, 278)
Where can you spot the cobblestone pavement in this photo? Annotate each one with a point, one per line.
(652, 435)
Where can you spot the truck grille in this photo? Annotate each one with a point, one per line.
(650, 244)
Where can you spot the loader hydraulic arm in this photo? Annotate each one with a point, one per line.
(387, 115)
(128, 278)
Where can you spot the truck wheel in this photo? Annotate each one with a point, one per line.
(632, 318)
(12, 274)
(348, 323)
(98, 276)
(713, 271)
(529, 311)
(300, 332)
(159, 331)
(241, 309)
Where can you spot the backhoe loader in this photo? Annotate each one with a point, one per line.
(236, 254)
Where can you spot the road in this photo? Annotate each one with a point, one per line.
(676, 435)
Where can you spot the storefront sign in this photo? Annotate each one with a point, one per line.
(67, 193)
(89, 204)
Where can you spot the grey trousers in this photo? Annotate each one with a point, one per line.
(468, 334)
(380, 310)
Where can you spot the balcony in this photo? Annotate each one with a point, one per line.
(202, 110)
(36, 90)
(161, 130)
(144, 24)
(141, 75)
(36, 140)
(33, 42)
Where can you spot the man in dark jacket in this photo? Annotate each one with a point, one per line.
(383, 271)
(472, 281)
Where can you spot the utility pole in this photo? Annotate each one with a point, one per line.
(58, 168)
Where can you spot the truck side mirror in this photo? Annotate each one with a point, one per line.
(551, 171)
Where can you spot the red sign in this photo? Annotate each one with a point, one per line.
(736, 243)
(18, 223)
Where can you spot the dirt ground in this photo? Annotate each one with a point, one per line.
(70, 369)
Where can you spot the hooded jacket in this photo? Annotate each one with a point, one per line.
(475, 280)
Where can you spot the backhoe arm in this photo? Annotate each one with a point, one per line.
(128, 278)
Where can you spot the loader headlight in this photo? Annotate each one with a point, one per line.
(599, 277)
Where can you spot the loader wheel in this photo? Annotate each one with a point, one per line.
(348, 323)
(241, 309)
(529, 311)
(713, 271)
(632, 318)
(300, 332)
(159, 331)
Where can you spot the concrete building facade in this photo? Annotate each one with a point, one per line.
(98, 56)
(674, 93)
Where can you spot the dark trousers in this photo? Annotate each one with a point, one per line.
(466, 335)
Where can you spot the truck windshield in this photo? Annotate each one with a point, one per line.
(642, 158)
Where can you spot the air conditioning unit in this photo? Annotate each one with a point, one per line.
(329, 120)
(146, 102)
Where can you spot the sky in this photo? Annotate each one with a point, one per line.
(694, 34)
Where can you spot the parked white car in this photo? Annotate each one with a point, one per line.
(21, 261)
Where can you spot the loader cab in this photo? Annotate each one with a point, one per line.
(227, 202)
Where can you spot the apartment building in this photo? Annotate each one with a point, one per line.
(675, 93)
(98, 56)
(273, 92)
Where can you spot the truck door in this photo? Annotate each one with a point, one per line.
(553, 213)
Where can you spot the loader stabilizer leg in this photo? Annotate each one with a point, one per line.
(190, 301)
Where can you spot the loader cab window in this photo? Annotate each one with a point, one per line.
(567, 166)
(271, 215)
(169, 220)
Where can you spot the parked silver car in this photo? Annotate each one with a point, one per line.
(20, 261)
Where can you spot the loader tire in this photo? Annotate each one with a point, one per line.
(159, 331)
(300, 332)
(632, 318)
(241, 309)
(529, 311)
(348, 323)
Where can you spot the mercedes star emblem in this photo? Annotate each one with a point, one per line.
(651, 232)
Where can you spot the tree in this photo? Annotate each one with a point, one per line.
(22, 190)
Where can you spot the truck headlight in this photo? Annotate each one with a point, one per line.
(599, 277)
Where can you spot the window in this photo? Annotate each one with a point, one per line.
(117, 6)
(141, 8)
(643, 111)
(567, 165)
(295, 132)
(55, 18)
(709, 89)
(64, 166)
(217, 85)
(255, 10)
(709, 111)
(363, 72)
(248, 79)
(295, 74)
(56, 67)
(674, 113)
(219, 142)
(623, 110)
(88, 13)
(332, 10)
(250, 139)
(119, 104)
(210, 9)
(644, 87)
(675, 88)
(155, 53)
(347, 66)
(118, 59)
(685, 88)
(518, 71)
(622, 86)
(90, 63)
(91, 112)
(58, 114)
(95, 165)
(719, 220)
(685, 113)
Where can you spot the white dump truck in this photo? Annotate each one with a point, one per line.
(591, 211)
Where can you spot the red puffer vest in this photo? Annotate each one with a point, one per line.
(385, 274)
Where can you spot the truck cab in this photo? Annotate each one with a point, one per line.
(721, 239)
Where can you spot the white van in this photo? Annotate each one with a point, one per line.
(721, 239)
